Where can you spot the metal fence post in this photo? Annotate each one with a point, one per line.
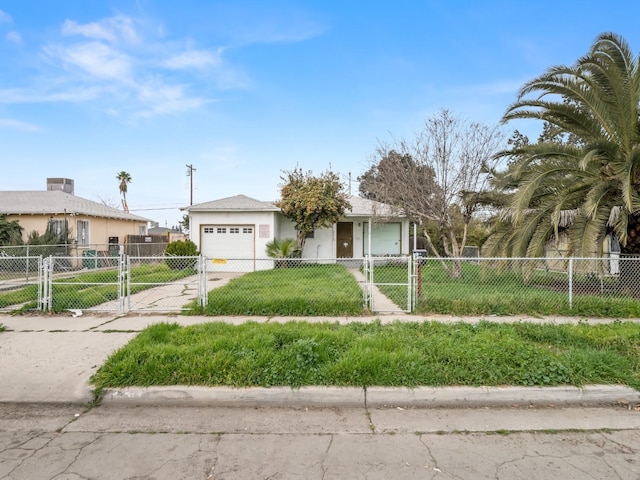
(202, 282)
(409, 285)
(46, 301)
(123, 282)
(570, 282)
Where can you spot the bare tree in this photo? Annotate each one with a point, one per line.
(441, 170)
(108, 201)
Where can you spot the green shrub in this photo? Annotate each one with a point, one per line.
(176, 251)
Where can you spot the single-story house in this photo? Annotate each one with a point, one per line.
(89, 224)
(240, 227)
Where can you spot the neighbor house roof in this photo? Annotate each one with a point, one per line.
(55, 202)
(239, 203)
(161, 230)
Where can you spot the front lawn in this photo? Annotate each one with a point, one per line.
(399, 354)
(305, 289)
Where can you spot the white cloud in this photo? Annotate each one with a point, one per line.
(81, 94)
(18, 125)
(194, 59)
(109, 29)
(96, 59)
(165, 100)
(14, 37)
(107, 63)
(5, 17)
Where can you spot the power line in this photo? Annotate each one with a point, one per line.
(157, 208)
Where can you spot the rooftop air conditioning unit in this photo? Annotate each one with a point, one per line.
(62, 184)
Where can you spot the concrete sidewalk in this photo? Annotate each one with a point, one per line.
(50, 359)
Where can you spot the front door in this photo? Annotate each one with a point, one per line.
(344, 247)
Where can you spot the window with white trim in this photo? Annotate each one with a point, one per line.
(222, 230)
(82, 228)
(234, 230)
(208, 230)
(247, 230)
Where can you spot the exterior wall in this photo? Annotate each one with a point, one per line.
(323, 243)
(275, 225)
(100, 229)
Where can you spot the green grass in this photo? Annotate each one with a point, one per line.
(84, 290)
(303, 290)
(19, 296)
(399, 354)
(485, 291)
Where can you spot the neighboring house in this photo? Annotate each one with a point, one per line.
(240, 227)
(608, 263)
(171, 234)
(90, 225)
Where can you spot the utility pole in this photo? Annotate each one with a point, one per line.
(190, 171)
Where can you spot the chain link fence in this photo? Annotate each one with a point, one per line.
(576, 286)
(294, 286)
(20, 281)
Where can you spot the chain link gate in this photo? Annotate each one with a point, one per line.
(121, 284)
(389, 284)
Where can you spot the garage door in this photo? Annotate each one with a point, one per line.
(229, 247)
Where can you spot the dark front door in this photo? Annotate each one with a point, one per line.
(344, 247)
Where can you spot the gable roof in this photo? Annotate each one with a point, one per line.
(56, 202)
(360, 207)
(363, 207)
(237, 203)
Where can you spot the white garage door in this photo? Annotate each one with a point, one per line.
(229, 247)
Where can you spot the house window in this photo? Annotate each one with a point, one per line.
(310, 234)
(142, 230)
(209, 230)
(234, 230)
(247, 230)
(82, 228)
(58, 227)
(222, 230)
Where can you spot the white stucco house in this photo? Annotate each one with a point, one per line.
(234, 232)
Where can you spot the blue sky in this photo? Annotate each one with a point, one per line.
(243, 90)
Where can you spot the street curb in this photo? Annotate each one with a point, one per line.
(372, 397)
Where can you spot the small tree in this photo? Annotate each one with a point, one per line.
(10, 232)
(282, 249)
(183, 225)
(312, 202)
(179, 249)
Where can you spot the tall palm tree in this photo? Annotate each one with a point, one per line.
(587, 187)
(125, 179)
